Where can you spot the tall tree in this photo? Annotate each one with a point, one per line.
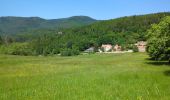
(1, 40)
(159, 40)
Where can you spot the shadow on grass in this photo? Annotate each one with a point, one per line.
(150, 59)
(158, 63)
(167, 73)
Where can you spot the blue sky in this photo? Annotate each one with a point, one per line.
(98, 9)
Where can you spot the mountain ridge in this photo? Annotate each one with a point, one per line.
(13, 25)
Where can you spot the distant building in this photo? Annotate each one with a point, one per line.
(129, 51)
(141, 46)
(91, 49)
(106, 47)
(117, 48)
(60, 33)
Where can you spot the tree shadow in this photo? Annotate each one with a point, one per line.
(150, 59)
(167, 73)
(158, 63)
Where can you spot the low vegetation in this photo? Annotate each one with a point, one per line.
(85, 77)
(23, 49)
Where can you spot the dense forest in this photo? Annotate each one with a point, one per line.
(13, 25)
(124, 31)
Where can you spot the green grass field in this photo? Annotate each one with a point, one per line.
(84, 77)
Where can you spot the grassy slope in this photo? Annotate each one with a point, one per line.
(85, 77)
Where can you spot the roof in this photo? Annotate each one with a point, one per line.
(91, 49)
(141, 43)
(106, 45)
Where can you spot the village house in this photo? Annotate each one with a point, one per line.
(60, 33)
(141, 45)
(106, 47)
(89, 50)
(117, 48)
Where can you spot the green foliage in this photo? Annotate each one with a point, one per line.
(159, 40)
(45, 45)
(122, 31)
(6, 40)
(135, 49)
(69, 52)
(1, 40)
(13, 25)
(16, 49)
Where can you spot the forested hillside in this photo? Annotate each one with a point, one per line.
(123, 31)
(13, 25)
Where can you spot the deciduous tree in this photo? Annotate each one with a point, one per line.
(159, 40)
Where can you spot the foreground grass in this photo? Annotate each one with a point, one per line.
(84, 77)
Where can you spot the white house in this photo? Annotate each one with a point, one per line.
(117, 48)
(106, 47)
(91, 49)
(141, 46)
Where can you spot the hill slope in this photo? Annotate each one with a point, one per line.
(12, 25)
(124, 31)
(120, 30)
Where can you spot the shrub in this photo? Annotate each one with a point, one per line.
(66, 52)
(17, 49)
(75, 52)
(69, 52)
(135, 49)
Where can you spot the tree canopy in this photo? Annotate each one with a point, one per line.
(159, 40)
(124, 31)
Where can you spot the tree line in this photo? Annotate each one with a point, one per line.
(124, 31)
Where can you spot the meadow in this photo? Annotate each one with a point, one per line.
(130, 76)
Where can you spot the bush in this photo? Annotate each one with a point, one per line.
(70, 52)
(135, 49)
(2, 49)
(17, 49)
(75, 52)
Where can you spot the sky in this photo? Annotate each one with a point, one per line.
(98, 9)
